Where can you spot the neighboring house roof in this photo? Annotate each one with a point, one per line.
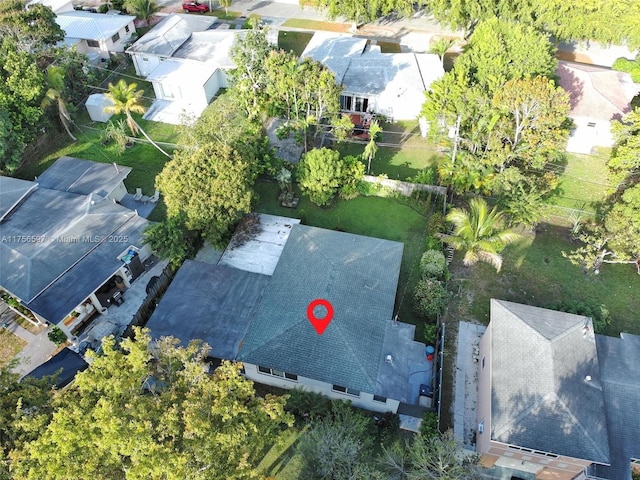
(358, 275)
(65, 364)
(213, 303)
(92, 26)
(170, 33)
(212, 46)
(57, 246)
(74, 175)
(57, 6)
(185, 73)
(12, 191)
(598, 93)
(619, 359)
(540, 398)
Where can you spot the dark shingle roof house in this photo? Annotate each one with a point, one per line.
(551, 387)
(262, 321)
(65, 365)
(61, 236)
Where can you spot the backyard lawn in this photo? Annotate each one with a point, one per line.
(536, 273)
(295, 42)
(281, 461)
(372, 216)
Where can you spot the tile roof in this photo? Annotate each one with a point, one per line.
(595, 92)
(92, 26)
(540, 396)
(358, 275)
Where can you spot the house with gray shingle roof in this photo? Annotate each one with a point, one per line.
(64, 237)
(261, 319)
(545, 402)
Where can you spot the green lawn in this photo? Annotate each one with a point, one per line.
(281, 461)
(583, 181)
(402, 152)
(295, 42)
(373, 216)
(536, 273)
(10, 346)
(146, 162)
(222, 15)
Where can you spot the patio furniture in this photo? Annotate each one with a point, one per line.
(138, 196)
(155, 198)
(145, 198)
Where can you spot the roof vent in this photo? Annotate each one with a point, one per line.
(388, 359)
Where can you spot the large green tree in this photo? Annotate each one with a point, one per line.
(55, 96)
(30, 29)
(211, 186)
(320, 174)
(153, 411)
(143, 9)
(479, 232)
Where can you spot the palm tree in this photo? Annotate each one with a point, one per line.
(126, 99)
(225, 4)
(479, 232)
(55, 83)
(440, 47)
(143, 9)
(371, 148)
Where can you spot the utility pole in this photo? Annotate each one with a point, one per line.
(456, 139)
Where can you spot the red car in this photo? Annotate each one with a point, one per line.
(195, 7)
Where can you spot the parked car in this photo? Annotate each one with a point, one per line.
(195, 7)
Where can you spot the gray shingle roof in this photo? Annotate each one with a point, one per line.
(540, 398)
(79, 176)
(213, 303)
(358, 275)
(12, 192)
(619, 371)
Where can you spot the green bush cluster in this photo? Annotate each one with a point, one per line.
(427, 176)
(632, 67)
(430, 298)
(598, 312)
(433, 264)
(307, 405)
(57, 336)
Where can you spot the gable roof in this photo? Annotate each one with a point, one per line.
(619, 360)
(92, 26)
(213, 303)
(358, 275)
(335, 51)
(540, 398)
(74, 175)
(595, 92)
(170, 33)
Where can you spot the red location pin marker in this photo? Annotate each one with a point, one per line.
(320, 324)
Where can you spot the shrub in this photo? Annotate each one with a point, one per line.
(57, 336)
(632, 67)
(320, 175)
(428, 176)
(436, 223)
(433, 264)
(430, 298)
(307, 405)
(433, 243)
(352, 173)
(430, 333)
(429, 425)
(599, 313)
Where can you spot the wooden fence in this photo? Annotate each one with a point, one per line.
(150, 303)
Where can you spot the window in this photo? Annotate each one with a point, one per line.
(145, 59)
(345, 390)
(379, 398)
(126, 29)
(115, 38)
(277, 373)
(93, 43)
(345, 102)
(591, 124)
(354, 104)
(361, 104)
(483, 361)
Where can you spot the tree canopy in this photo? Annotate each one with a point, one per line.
(152, 410)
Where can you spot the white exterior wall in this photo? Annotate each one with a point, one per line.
(212, 86)
(583, 138)
(107, 46)
(365, 400)
(145, 63)
(118, 193)
(222, 78)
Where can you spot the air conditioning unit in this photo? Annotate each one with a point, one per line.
(481, 427)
